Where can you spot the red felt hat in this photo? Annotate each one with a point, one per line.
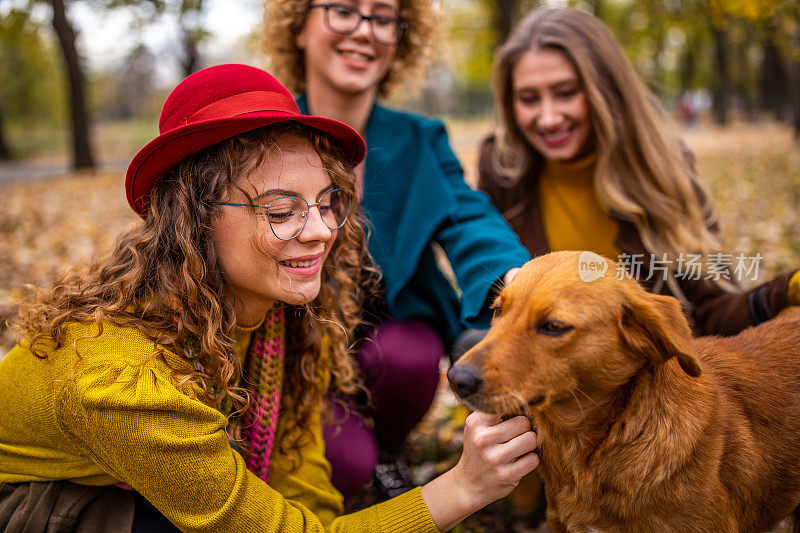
(215, 104)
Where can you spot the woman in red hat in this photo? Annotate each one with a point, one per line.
(342, 55)
(146, 394)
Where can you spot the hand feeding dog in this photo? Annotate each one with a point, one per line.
(641, 427)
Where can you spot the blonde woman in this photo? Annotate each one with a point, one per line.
(582, 159)
(339, 57)
(203, 325)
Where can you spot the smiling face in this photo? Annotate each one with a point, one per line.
(348, 64)
(261, 268)
(550, 105)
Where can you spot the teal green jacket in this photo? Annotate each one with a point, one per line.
(415, 195)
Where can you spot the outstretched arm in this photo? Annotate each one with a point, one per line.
(496, 456)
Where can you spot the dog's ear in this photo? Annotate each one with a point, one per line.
(653, 326)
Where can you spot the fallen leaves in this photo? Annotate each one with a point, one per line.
(48, 226)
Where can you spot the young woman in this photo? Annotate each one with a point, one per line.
(165, 367)
(583, 160)
(340, 56)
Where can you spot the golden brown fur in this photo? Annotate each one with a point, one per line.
(641, 427)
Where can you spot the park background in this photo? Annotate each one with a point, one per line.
(82, 83)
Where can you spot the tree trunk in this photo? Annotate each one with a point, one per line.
(797, 99)
(5, 151)
(773, 79)
(796, 72)
(192, 34)
(722, 82)
(506, 15)
(597, 8)
(742, 87)
(81, 147)
(191, 56)
(657, 84)
(688, 65)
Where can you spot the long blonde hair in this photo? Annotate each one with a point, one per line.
(284, 19)
(164, 279)
(643, 172)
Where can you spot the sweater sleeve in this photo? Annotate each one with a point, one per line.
(719, 312)
(141, 429)
(309, 485)
(479, 243)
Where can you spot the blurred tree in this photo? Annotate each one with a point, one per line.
(472, 37)
(764, 27)
(598, 8)
(5, 150)
(688, 62)
(29, 74)
(506, 14)
(795, 56)
(82, 157)
(646, 25)
(125, 90)
(29, 70)
(747, 52)
(190, 24)
(774, 78)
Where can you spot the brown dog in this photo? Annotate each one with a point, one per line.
(641, 428)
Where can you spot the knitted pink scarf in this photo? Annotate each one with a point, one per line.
(265, 375)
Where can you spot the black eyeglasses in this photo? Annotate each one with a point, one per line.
(345, 20)
(287, 215)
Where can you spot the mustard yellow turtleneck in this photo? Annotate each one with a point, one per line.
(572, 214)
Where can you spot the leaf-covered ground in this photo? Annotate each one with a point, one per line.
(752, 171)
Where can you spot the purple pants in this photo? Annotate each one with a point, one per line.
(400, 365)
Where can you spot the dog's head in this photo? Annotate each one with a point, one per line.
(561, 338)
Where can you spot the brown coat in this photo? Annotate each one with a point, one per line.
(62, 507)
(714, 311)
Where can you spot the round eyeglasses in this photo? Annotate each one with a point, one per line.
(345, 20)
(288, 215)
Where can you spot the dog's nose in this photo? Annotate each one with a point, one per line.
(464, 380)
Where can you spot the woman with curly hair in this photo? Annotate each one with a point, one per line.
(179, 382)
(583, 159)
(340, 56)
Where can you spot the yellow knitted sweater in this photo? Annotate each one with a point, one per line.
(113, 414)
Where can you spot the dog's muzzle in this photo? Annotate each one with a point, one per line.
(464, 380)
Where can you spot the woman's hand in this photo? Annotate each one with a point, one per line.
(496, 456)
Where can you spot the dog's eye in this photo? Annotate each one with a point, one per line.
(552, 327)
(496, 309)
